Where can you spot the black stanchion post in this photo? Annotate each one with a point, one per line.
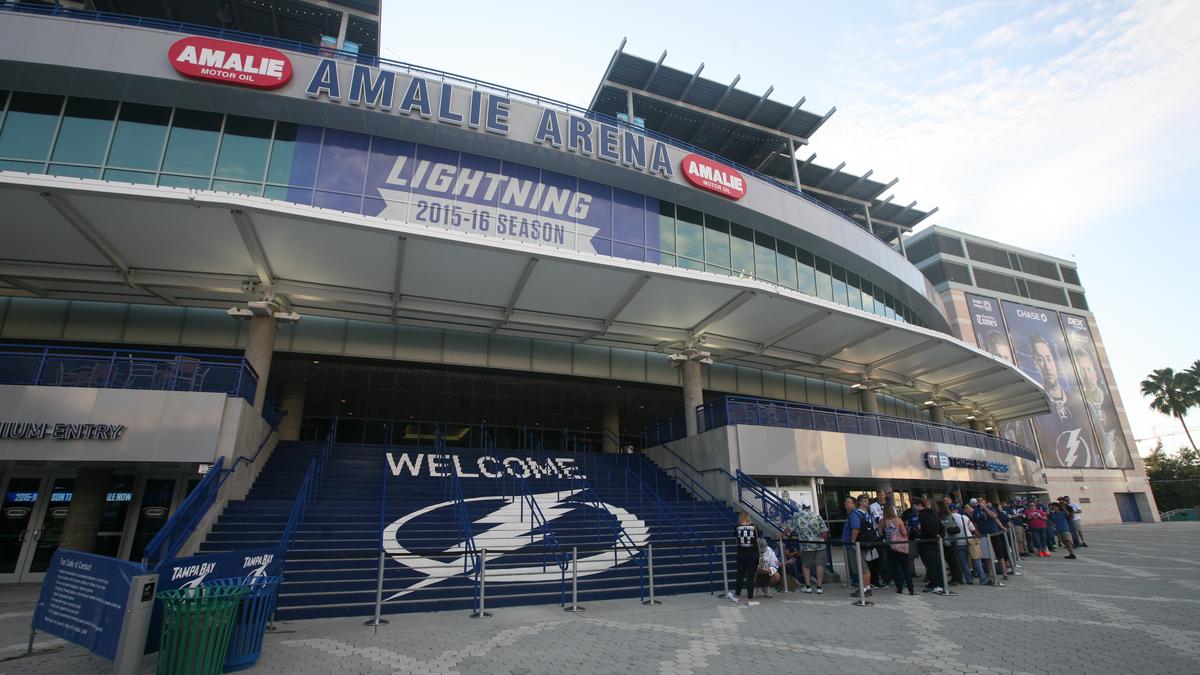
(942, 561)
(859, 563)
(574, 581)
(378, 620)
(724, 567)
(783, 565)
(482, 613)
(650, 566)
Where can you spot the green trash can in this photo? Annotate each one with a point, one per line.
(196, 625)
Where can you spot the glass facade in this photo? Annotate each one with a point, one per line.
(339, 170)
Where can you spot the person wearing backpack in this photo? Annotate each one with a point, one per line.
(896, 534)
(872, 550)
(858, 522)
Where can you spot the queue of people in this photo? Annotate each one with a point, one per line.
(976, 535)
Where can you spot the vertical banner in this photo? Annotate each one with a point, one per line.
(1114, 448)
(1040, 350)
(991, 335)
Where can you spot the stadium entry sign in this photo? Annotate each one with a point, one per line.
(707, 174)
(230, 62)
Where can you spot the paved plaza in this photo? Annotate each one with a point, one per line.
(1130, 603)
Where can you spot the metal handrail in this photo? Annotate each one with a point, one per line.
(731, 410)
(474, 83)
(179, 526)
(772, 509)
(304, 495)
(686, 532)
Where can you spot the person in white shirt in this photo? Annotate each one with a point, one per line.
(768, 567)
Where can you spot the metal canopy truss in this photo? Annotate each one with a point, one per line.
(748, 129)
(142, 244)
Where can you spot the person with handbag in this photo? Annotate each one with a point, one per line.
(896, 534)
(967, 547)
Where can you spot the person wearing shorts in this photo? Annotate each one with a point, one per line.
(811, 532)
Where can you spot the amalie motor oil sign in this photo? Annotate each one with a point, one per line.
(230, 62)
(706, 174)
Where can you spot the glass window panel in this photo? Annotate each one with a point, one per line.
(787, 266)
(689, 232)
(716, 242)
(289, 194)
(805, 272)
(741, 246)
(824, 280)
(628, 251)
(689, 264)
(629, 215)
(121, 176)
(86, 126)
(193, 182)
(29, 125)
(853, 290)
(74, 171)
(294, 154)
(880, 308)
(764, 258)
(839, 286)
(244, 148)
(666, 228)
(237, 187)
(25, 167)
(868, 299)
(138, 141)
(193, 142)
(344, 162)
(666, 259)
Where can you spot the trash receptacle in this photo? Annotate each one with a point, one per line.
(250, 620)
(195, 629)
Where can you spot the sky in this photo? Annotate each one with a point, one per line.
(1069, 128)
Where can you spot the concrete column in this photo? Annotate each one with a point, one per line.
(693, 394)
(870, 402)
(293, 404)
(259, 350)
(611, 425)
(936, 415)
(87, 503)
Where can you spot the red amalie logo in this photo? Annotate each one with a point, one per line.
(230, 62)
(706, 174)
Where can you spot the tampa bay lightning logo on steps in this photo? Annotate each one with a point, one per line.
(510, 526)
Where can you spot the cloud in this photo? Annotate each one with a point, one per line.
(1032, 151)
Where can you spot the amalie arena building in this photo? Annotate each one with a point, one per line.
(242, 256)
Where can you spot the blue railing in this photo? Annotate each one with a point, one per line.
(183, 522)
(730, 410)
(304, 495)
(769, 506)
(474, 83)
(687, 535)
(63, 366)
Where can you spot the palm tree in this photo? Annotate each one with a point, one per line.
(1172, 394)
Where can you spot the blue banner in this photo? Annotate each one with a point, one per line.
(83, 599)
(462, 192)
(990, 334)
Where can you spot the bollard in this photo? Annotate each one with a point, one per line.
(378, 620)
(650, 566)
(862, 587)
(574, 581)
(724, 567)
(783, 565)
(942, 561)
(1012, 552)
(482, 613)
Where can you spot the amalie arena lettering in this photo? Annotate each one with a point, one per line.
(230, 62)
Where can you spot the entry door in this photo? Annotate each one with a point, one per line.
(33, 512)
(1127, 505)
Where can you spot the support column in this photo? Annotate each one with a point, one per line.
(693, 394)
(87, 504)
(293, 404)
(936, 415)
(870, 403)
(611, 425)
(259, 350)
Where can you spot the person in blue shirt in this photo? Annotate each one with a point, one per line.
(856, 520)
(1062, 523)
